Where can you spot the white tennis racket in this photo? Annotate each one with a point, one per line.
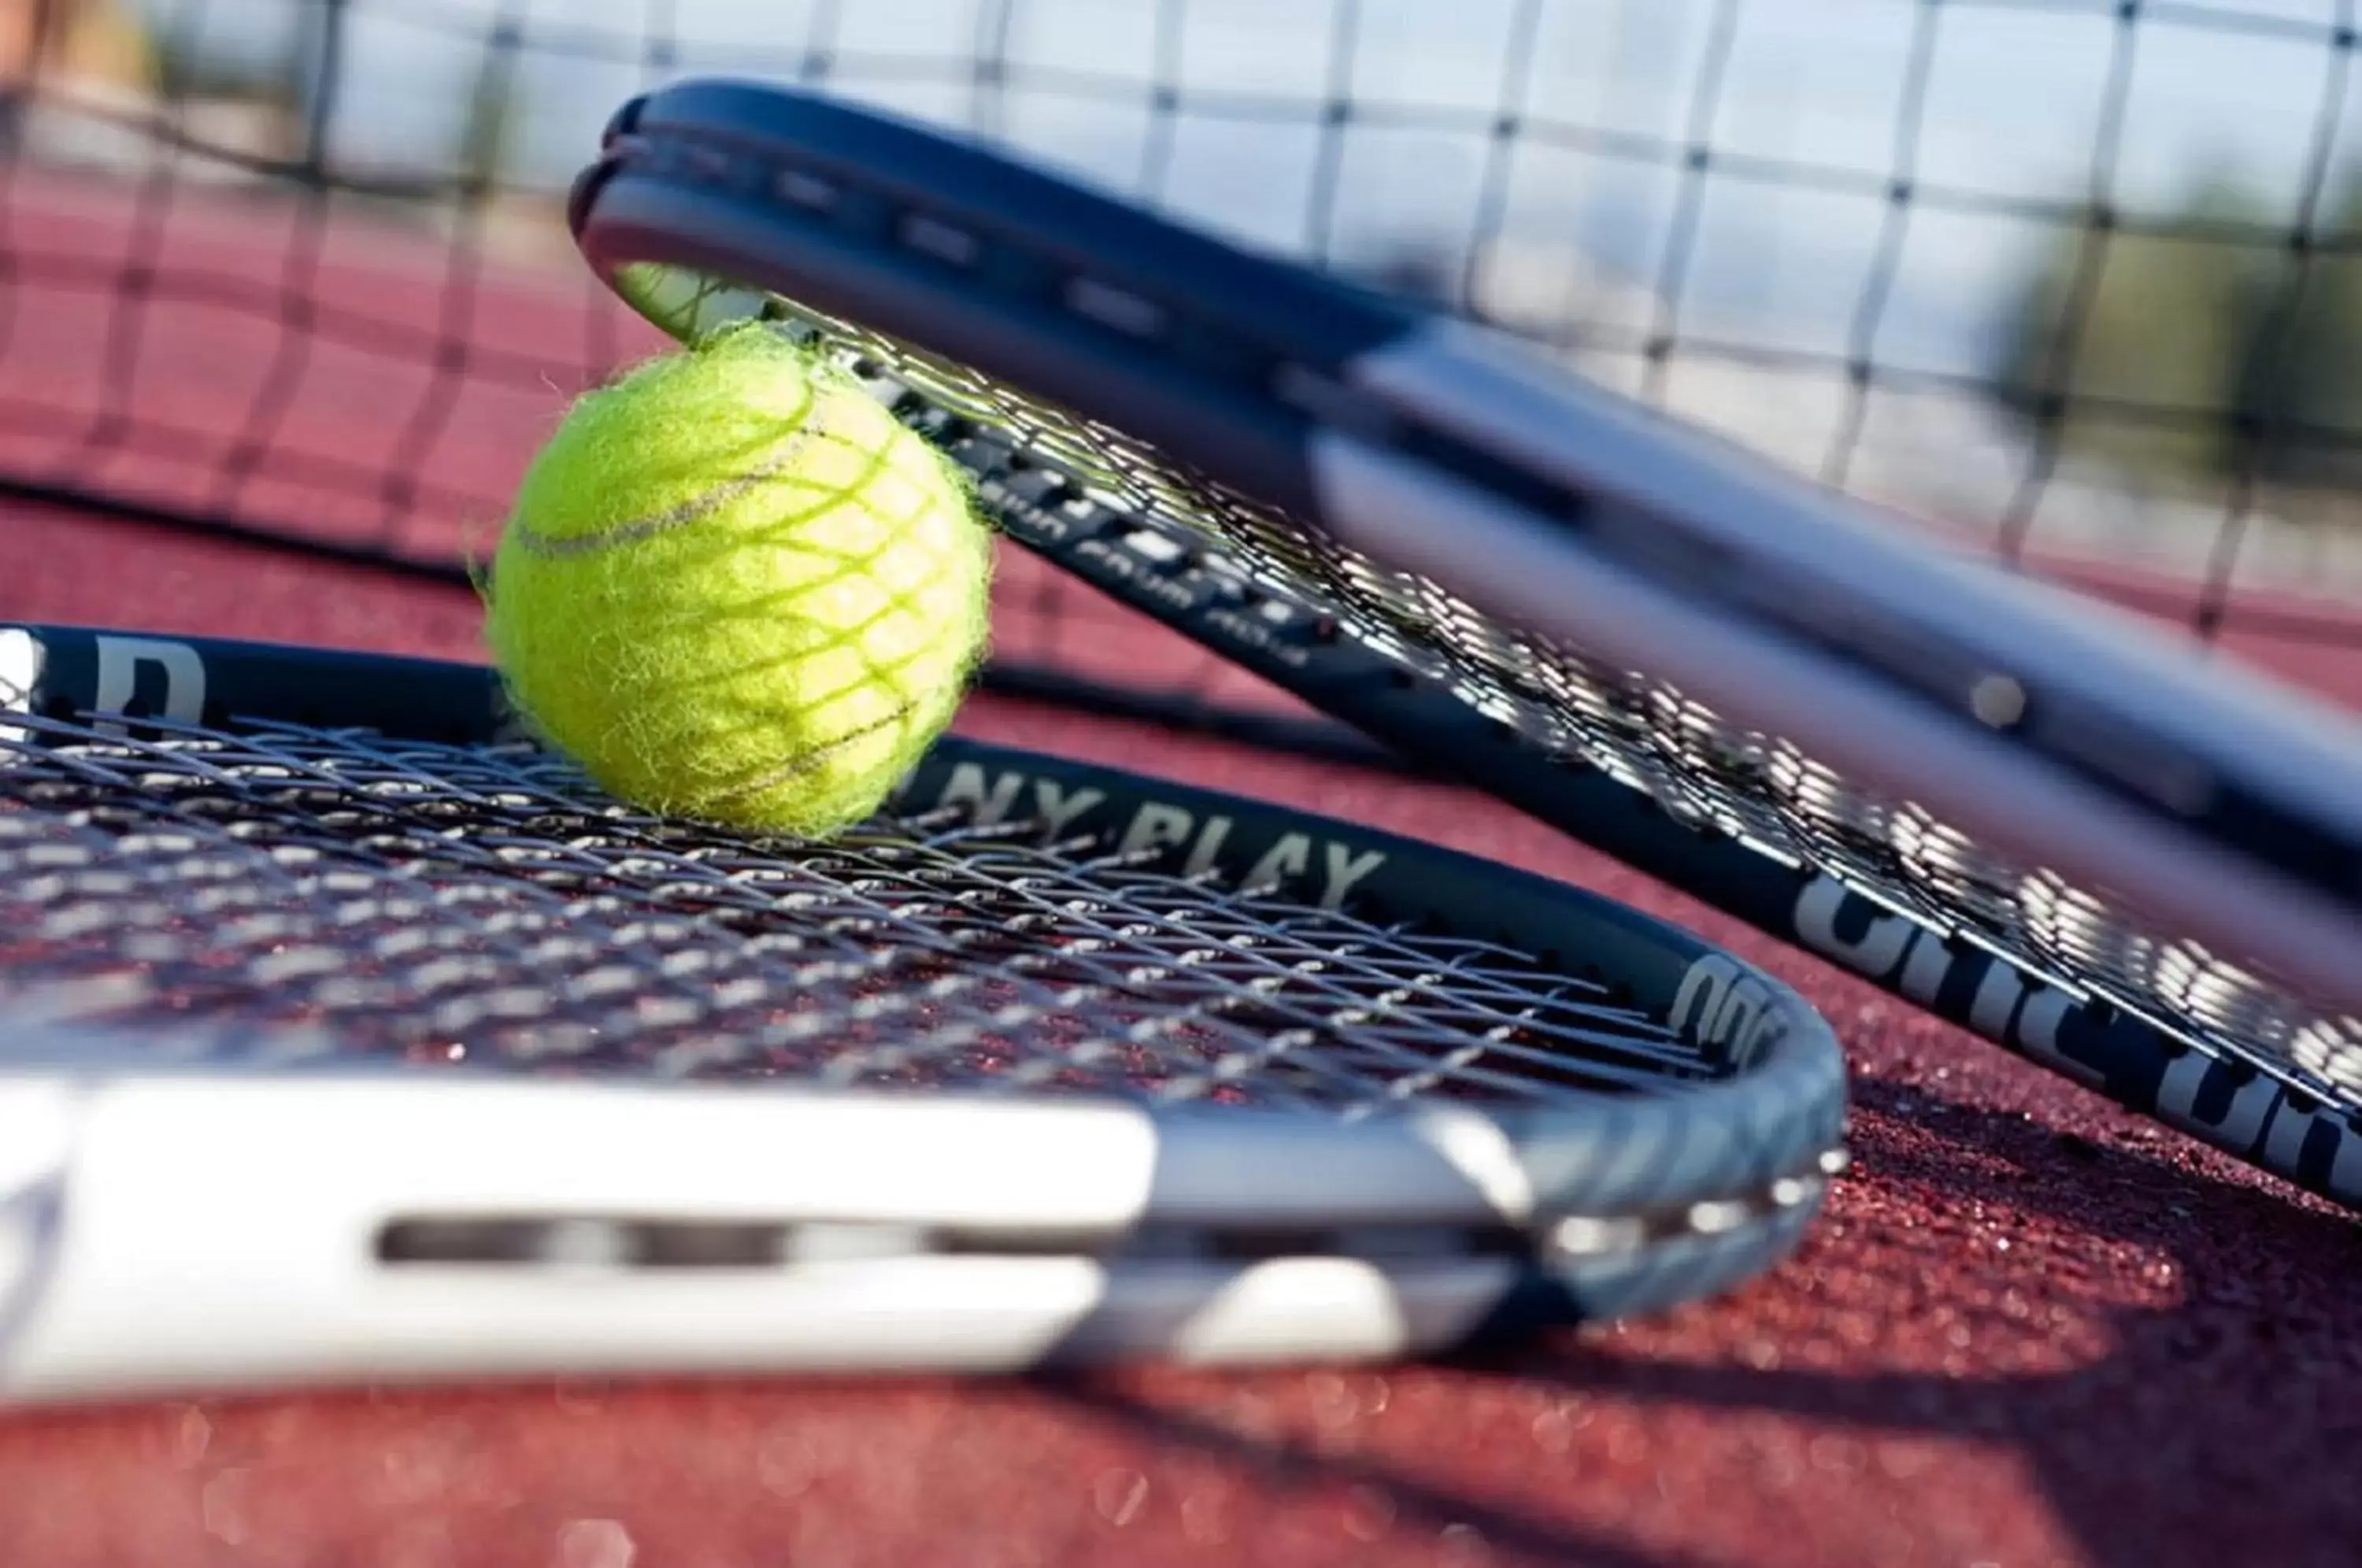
(345, 1036)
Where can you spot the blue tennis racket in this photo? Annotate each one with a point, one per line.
(2004, 805)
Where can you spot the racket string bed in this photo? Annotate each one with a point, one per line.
(472, 902)
(1046, 469)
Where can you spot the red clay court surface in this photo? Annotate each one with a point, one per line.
(2029, 1329)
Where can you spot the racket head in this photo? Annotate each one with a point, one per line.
(2102, 855)
(1156, 1069)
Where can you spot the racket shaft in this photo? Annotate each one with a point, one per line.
(213, 1169)
(169, 1232)
(125, 1325)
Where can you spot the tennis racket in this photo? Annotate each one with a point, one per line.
(1997, 802)
(347, 1036)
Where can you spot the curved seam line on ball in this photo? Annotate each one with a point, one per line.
(695, 509)
(804, 761)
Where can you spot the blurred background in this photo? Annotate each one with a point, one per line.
(2074, 282)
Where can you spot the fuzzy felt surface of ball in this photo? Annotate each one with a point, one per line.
(735, 587)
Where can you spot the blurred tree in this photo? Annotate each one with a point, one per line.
(2203, 346)
(193, 66)
(2301, 382)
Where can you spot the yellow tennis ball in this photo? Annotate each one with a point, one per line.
(735, 587)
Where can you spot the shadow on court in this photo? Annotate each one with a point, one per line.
(2213, 1424)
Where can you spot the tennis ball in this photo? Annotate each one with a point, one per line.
(733, 587)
